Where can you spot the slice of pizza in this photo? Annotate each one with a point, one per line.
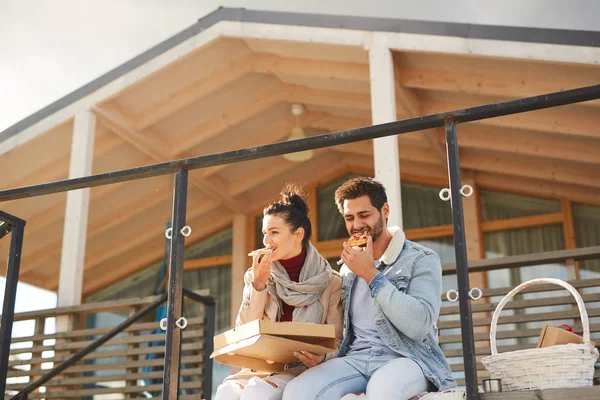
(261, 252)
(358, 239)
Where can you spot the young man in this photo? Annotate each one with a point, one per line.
(391, 292)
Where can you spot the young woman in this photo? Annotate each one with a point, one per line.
(289, 281)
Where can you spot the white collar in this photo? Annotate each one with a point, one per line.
(391, 253)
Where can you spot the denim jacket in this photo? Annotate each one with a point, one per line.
(406, 298)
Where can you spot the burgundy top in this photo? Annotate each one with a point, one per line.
(293, 266)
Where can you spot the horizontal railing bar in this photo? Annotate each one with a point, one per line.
(124, 389)
(520, 304)
(157, 362)
(115, 341)
(522, 318)
(96, 307)
(332, 139)
(190, 344)
(144, 326)
(490, 264)
(108, 378)
(93, 346)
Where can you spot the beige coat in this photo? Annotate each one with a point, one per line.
(260, 305)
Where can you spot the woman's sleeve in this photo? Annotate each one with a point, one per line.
(253, 304)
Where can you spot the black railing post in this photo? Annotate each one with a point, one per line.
(210, 307)
(17, 226)
(209, 333)
(462, 266)
(172, 365)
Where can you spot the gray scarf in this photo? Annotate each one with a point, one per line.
(304, 295)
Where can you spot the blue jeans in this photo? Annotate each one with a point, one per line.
(378, 371)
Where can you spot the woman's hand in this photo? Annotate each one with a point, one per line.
(309, 359)
(261, 267)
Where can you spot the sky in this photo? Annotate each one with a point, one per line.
(49, 48)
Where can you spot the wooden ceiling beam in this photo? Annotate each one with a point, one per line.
(154, 148)
(479, 136)
(95, 227)
(274, 64)
(568, 121)
(60, 166)
(234, 116)
(530, 167)
(508, 83)
(537, 187)
(195, 91)
(409, 104)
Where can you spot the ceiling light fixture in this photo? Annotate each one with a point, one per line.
(298, 133)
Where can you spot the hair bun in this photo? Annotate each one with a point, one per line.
(295, 196)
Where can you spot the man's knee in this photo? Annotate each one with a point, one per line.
(296, 389)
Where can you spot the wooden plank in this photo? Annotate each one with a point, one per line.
(586, 393)
(158, 150)
(124, 390)
(511, 319)
(207, 262)
(155, 337)
(522, 222)
(114, 366)
(142, 351)
(517, 304)
(108, 378)
(548, 257)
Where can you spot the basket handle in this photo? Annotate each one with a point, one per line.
(533, 282)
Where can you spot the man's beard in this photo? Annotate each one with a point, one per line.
(376, 231)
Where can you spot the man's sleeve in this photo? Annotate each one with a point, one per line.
(415, 311)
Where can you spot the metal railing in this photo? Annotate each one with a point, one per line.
(181, 167)
(209, 330)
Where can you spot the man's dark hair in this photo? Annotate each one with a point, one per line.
(358, 187)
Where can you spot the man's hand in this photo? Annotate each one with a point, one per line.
(361, 262)
(309, 359)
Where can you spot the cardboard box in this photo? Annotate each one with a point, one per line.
(268, 346)
(552, 336)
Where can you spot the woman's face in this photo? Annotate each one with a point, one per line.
(278, 235)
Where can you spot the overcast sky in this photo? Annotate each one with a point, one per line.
(49, 48)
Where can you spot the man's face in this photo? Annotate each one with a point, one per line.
(361, 216)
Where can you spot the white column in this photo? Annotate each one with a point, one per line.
(383, 109)
(239, 262)
(76, 213)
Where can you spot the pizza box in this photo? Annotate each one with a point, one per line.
(269, 346)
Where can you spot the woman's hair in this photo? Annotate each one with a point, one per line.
(291, 206)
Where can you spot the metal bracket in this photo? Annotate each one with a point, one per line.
(477, 296)
(185, 231)
(181, 323)
(163, 324)
(452, 295)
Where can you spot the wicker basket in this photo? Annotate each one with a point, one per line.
(561, 366)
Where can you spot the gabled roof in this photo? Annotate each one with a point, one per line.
(228, 82)
(472, 31)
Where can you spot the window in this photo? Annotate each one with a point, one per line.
(586, 219)
(501, 205)
(422, 207)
